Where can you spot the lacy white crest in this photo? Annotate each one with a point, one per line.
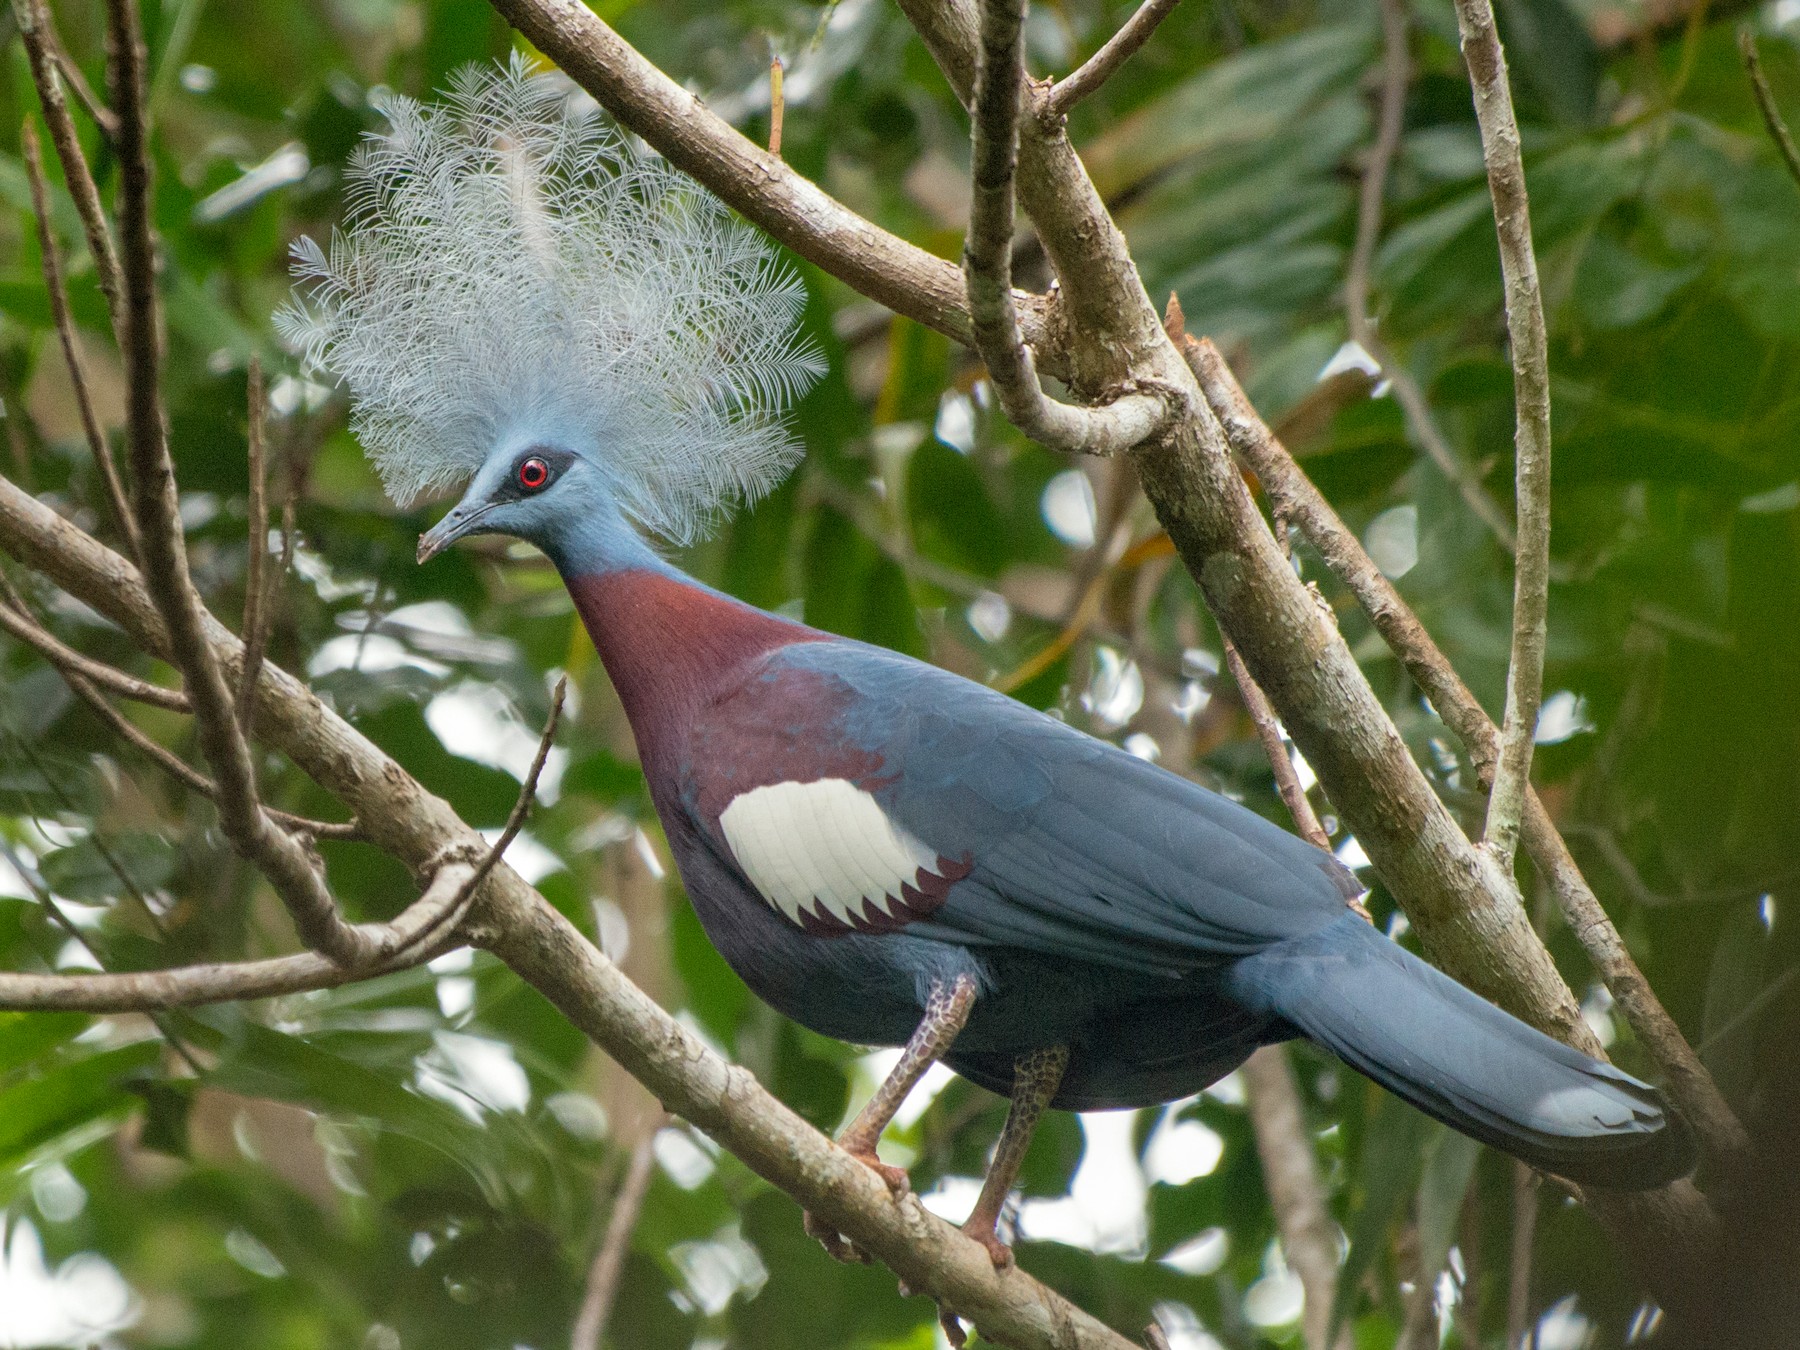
(510, 265)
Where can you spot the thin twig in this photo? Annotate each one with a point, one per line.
(1524, 1233)
(1300, 501)
(1268, 731)
(1098, 68)
(67, 659)
(1126, 421)
(1765, 100)
(434, 922)
(777, 105)
(289, 865)
(1531, 437)
(90, 101)
(1396, 74)
(57, 290)
(255, 625)
(1309, 1237)
(609, 1263)
(38, 34)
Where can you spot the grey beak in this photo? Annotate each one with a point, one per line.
(447, 531)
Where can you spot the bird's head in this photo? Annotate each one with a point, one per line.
(523, 302)
(535, 492)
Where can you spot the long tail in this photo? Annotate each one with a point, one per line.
(1458, 1058)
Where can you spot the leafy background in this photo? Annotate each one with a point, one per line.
(428, 1159)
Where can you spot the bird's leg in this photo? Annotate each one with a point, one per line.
(946, 1010)
(1035, 1079)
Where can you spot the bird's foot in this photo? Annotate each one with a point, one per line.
(983, 1232)
(836, 1245)
(895, 1177)
(954, 1331)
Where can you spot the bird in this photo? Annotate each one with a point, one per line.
(525, 305)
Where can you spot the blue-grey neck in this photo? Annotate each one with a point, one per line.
(596, 539)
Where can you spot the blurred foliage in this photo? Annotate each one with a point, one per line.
(418, 1160)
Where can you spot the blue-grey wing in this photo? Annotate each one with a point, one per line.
(1073, 845)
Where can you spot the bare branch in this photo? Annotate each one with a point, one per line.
(1298, 500)
(1396, 73)
(256, 598)
(65, 330)
(67, 660)
(1531, 437)
(1098, 68)
(609, 1263)
(431, 920)
(1131, 418)
(792, 209)
(1268, 730)
(1524, 1236)
(289, 866)
(38, 34)
(1309, 1237)
(182, 987)
(777, 105)
(90, 102)
(1765, 100)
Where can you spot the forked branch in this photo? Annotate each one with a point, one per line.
(1128, 420)
(1531, 436)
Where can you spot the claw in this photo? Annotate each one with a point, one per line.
(836, 1245)
(998, 1252)
(895, 1177)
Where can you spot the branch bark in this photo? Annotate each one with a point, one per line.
(1531, 435)
(1298, 500)
(791, 208)
(1099, 68)
(1125, 421)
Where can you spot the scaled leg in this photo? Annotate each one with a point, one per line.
(946, 1011)
(1035, 1080)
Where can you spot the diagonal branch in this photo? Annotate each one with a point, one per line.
(1531, 436)
(69, 661)
(791, 208)
(1099, 68)
(65, 331)
(1131, 418)
(1297, 499)
(1765, 103)
(38, 34)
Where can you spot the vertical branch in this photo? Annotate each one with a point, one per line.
(1765, 102)
(987, 263)
(1531, 438)
(1309, 1238)
(65, 331)
(1524, 1238)
(603, 1276)
(289, 866)
(38, 35)
(777, 105)
(256, 599)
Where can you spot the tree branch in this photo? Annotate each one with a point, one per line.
(1531, 437)
(69, 661)
(1298, 500)
(289, 866)
(792, 209)
(1128, 420)
(1099, 68)
(521, 928)
(609, 1262)
(1309, 1237)
(256, 597)
(1765, 102)
(39, 36)
(65, 332)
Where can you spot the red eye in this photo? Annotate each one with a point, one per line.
(533, 474)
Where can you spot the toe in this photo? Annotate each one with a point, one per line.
(895, 1177)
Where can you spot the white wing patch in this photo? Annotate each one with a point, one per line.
(828, 857)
